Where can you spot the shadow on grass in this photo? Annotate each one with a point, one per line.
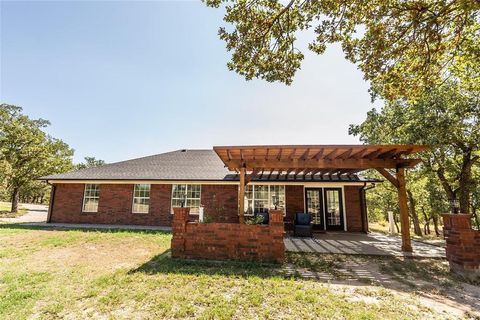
(21, 226)
(411, 276)
(165, 264)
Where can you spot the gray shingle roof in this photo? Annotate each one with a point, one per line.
(188, 165)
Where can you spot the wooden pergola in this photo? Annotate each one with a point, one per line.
(325, 160)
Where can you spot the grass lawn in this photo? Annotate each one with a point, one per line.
(5, 210)
(51, 274)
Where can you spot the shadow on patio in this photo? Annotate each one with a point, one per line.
(373, 244)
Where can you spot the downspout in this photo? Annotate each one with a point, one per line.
(363, 205)
(52, 199)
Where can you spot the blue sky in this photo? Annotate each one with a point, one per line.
(120, 80)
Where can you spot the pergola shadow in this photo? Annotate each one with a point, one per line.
(361, 244)
(349, 270)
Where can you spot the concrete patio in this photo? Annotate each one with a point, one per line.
(361, 244)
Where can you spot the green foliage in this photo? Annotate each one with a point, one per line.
(26, 152)
(257, 219)
(448, 121)
(402, 47)
(381, 199)
(90, 162)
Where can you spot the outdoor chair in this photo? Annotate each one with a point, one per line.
(302, 225)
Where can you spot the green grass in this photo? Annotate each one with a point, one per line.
(5, 208)
(50, 274)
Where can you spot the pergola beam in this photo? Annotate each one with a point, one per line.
(322, 163)
(359, 154)
(402, 201)
(345, 155)
(399, 183)
(241, 197)
(388, 176)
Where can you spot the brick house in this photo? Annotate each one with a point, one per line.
(143, 191)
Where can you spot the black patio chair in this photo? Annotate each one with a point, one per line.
(302, 226)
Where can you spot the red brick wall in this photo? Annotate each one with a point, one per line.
(115, 204)
(353, 209)
(463, 245)
(114, 207)
(220, 202)
(228, 241)
(294, 198)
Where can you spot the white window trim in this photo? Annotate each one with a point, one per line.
(84, 198)
(133, 198)
(200, 197)
(269, 198)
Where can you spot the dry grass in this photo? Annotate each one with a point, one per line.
(383, 227)
(129, 274)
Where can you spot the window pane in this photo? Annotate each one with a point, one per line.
(261, 206)
(91, 197)
(189, 195)
(277, 197)
(249, 192)
(141, 198)
(261, 192)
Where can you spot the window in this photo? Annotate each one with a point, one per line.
(260, 198)
(90, 198)
(141, 198)
(188, 195)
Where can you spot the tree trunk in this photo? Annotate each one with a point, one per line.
(413, 212)
(435, 224)
(15, 197)
(396, 224)
(426, 227)
(465, 182)
(445, 184)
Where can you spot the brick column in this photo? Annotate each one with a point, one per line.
(277, 231)
(179, 226)
(462, 245)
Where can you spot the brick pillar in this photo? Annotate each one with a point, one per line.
(462, 245)
(277, 231)
(179, 226)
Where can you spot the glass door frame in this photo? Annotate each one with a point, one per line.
(321, 206)
(342, 211)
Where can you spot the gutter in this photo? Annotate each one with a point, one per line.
(52, 199)
(363, 204)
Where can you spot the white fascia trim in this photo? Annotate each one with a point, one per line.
(312, 184)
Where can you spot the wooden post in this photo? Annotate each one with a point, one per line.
(402, 200)
(241, 197)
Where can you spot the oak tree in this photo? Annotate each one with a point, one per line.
(402, 47)
(448, 121)
(27, 152)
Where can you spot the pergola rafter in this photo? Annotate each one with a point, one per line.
(324, 160)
